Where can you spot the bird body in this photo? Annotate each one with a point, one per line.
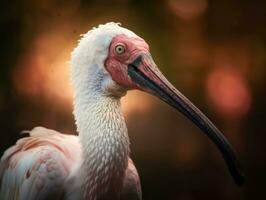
(47, 165)
(96, 165)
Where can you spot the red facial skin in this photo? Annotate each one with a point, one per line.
(117, 64)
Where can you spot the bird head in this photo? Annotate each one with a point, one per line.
(110, 60)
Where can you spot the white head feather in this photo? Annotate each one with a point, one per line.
(88, 74)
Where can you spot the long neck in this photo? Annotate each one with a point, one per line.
(105, 145)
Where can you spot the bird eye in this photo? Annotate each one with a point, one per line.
(120, 49)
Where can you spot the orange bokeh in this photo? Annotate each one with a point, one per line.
(228, 92)
(188, 10)
(43, 69)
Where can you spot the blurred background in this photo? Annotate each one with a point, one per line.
(214, 52)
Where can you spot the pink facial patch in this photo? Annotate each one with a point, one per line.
(117, 64)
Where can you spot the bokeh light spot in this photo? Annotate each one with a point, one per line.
(188, 9)
(228, 92)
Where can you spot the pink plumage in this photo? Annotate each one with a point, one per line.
(38, 164)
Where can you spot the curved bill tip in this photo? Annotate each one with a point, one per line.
(238, 176)
(148, 77)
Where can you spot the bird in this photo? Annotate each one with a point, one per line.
(108, 61)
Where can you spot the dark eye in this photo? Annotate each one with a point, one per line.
(119, 49)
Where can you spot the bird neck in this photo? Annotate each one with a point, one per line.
(105, 145)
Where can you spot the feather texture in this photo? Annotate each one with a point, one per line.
(36, 167)
(39, 168)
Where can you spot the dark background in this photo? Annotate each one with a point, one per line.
(212, 51)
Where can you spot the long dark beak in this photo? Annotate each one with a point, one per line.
(148, 77)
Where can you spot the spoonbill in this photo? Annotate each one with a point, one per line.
(95, 165)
